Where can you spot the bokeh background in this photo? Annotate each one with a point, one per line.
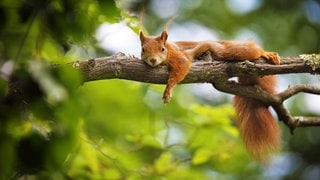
(119, 129)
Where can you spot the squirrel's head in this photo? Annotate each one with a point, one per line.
(153, 49)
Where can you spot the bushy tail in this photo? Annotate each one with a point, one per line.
(260, 132)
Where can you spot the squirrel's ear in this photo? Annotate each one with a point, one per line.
(164, 36)
(142, 37)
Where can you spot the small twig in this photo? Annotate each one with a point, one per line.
(307, 121)
(299, 88)
(285, 117)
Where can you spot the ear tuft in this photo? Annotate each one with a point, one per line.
(164, 36)
(142, 37)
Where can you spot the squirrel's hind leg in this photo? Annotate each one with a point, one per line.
(271, 56)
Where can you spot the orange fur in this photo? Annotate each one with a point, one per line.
(156, 50)
(260, 132)
(232, 51)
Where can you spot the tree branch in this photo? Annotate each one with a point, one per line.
(120, 66)
(218, 73)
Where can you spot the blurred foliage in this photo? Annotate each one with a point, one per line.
(50, 128)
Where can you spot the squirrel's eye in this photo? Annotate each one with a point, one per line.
(142, 49)
(163, 49)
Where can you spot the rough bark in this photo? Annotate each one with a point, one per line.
(120, 66)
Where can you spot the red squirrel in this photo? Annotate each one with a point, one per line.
(260, 132)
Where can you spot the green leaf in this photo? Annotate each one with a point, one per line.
(202, 155)
(164, 163)
(151, 141)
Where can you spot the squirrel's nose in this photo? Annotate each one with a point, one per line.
(153, 61)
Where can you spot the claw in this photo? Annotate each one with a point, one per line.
(132, 57)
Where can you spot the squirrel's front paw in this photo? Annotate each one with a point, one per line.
(132, 57)
(166, 96)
